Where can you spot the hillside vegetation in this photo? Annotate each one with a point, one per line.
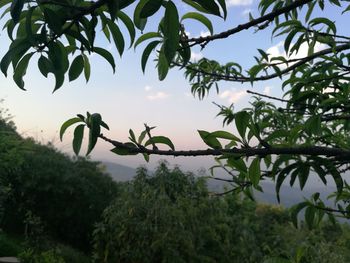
(56, 209)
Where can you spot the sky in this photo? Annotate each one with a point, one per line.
(129, 98)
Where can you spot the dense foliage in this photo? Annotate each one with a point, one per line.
(170, 217)
(162, 216)
(307, 134)
(39, 183)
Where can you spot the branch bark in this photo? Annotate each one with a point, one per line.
(342, 154)
(268, 17)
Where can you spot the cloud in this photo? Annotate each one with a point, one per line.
(267, 90)
(196, 56)
(204, 33)
(148, 88)
(158, 96)
(233, 95)
(230, 3)
(278, 50)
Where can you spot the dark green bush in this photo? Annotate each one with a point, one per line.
(9, 246)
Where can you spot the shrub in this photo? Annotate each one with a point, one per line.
(9, 246)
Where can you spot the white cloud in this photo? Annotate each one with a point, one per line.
(230, 3)
(196, 56)
(158, 96)
(233, 95)
(204, 33)
(148, 88)
(278, 50)
(267, 90)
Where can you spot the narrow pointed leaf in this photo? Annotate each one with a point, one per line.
(68, 123)
(160, 140)
(78, 138)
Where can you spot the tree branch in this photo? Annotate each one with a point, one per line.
(273, 150)
(85, 11)
(272, 76)
(268, 17)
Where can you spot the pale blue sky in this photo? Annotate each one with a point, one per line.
(129, 99)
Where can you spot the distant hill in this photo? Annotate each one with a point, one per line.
(118, 172)
(288, 195)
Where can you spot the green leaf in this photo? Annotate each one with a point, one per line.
(323, 20)
(242, 121)
(282, 175)
(129, 25)
(113, 7)
(145, 37)
(142, 137)
(54, 20)
(224, 135)
(87, 68)
(196, 6)
(16, 10)
(238, 164)
(146, 53)
(263, 54)
(150, 8)
(210, 6)
(313, 125)
(117, 37)
(94, 132)
(21, 70)
(70, 33)
(125, 3)
(58, 57)
(58, 54)
(17, 48)
(132, 135)
(106, 55)
(303, 174)
(199, 17)
(310, 216)
(209, 140)
(78, 138)
(5, 2)
(59, 80)
(171, 31)
(163, 66)
(29, 23)
(104, 125)
(295, 211)
(68, 123)
(160, 140)
(222, 3)
(146, 157)
(140, 22)
(127, 150)
(76, 68)
(44, 65)
(254, 172)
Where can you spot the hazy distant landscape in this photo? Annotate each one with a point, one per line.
(289, 195)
